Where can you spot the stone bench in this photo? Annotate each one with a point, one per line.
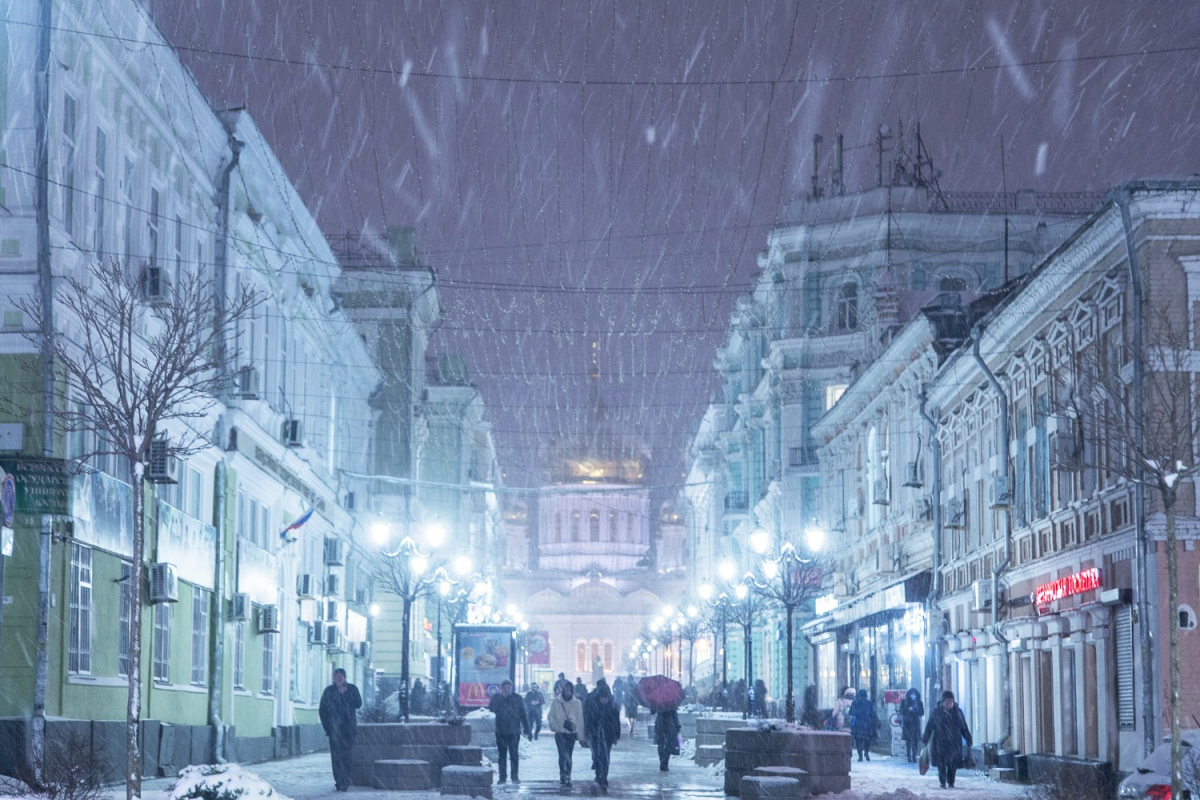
(759, 787)
(403, 775)
(468, 781)
(464, 755)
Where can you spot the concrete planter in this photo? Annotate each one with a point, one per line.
(823, 756)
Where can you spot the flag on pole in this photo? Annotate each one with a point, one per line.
(299, 523)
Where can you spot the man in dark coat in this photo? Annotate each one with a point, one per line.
(631, 702)
(602, 721)
(339, 717)
(534, 702)
(862, 726)
(666, 736)
(581, 691)
(945, 733)
(509, 709)
(911, 712)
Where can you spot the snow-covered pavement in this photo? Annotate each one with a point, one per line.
(634, 773)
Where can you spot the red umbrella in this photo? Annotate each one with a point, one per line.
(660, 693)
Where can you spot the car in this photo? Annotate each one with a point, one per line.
(1151, 780)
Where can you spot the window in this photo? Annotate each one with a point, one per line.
(200, 601)
(80, 655)
(193, 493)
(162, 642)
(152, 227)
(1126, 711)
(847, 307)
(608, 656)
(68, 173)
(125, 619)
(629, 527)
(574, 526)
(128, 190)
(595, 653)
(812, 301)
(558, 526)
(594, 525)
(268, 663)
(239, 655)
(98, 201)
(581, 657)
(613, 526)
(952, 285)
(179, 246)
(833, 393)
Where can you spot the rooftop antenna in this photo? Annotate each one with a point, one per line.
(816, 180)
(838, 183)
(1004, 189)
(885, 133)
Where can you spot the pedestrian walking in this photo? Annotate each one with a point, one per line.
(534, 701)
(602, 723)
(631, 704)
(840, 716)
(912, 710)
(618, 690)
(559, 682)
(945, 734)
(580, 689)
(862, 724)
(760, 698)
(339, 717)
(417, 700)
(566, 723)
(666, 736)
(509, 709)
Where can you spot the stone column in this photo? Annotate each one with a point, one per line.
(1081, 697)
(1055, 647)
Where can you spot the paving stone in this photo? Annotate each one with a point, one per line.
(757, 787)
(403, 775)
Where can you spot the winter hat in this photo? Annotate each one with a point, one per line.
(947, 695)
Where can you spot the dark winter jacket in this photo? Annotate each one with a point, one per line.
(339, 711)
(944, 733)
(911, 712)
(510, 714)
(534, 702)
(862, 714)
(666, 729)
(601, 720)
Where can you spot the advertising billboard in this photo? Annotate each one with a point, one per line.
(537, 648)
(484, 655)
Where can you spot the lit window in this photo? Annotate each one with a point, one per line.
(833, 393)
(608, 656)
(847, 307)
(594, 525)
(581, 657)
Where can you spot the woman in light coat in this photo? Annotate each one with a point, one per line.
(566, 722)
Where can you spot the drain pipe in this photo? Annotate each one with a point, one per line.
(933, 663)
(1142, 550)
(220, 276)
(1003, 566)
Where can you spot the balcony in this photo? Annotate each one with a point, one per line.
(737, 501)
(802, 456)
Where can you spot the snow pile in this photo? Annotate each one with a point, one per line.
(899, 794)
(688, 750)
(220, 782)
(480, 713)
(715, 771)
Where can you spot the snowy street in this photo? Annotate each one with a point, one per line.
(634, 773)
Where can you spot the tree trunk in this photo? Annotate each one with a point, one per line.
(791, 698)
(133, 760)
(1169, 498)
(406, 621)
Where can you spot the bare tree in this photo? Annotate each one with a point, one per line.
(1135, 418)
(137, 364)
(792, 583)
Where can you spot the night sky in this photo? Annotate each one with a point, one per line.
(609, 171)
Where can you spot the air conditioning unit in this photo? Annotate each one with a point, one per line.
(153, 285)
(1066, 454)
(982, 591)
(293, 433)
(840, 585)
(1001, 492)
(316, 634)
(332, 636)
(924, 507)
(912, 474)
(879, 495)
(240, 607)
(306, 586)
(349, 502)
(333, 585)
(164, 583)
(335, 552)
(333, 611)
(268, 619)
(161, 464)
(956, 513)
(364, 649)
(360, 596)
(247, 383)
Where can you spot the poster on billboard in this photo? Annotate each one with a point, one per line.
(484, 655)
(537, 648)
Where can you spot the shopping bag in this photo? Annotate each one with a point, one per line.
(923, 762)
(677, 746)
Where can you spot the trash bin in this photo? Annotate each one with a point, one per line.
(990, 758)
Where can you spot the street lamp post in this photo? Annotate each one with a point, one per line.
(720, 603)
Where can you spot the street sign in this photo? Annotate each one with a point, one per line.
(42, 485)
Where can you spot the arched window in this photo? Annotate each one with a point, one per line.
(595, 653)
(594, 525)
(952, 285)
(581, 656)
(608, 656)
(574, 526)
(612, 526)
(629, 527)
(558, 530)
(846, 307)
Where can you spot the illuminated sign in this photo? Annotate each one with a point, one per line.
(1078, 583)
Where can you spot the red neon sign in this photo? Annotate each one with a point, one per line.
(1078, 583)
